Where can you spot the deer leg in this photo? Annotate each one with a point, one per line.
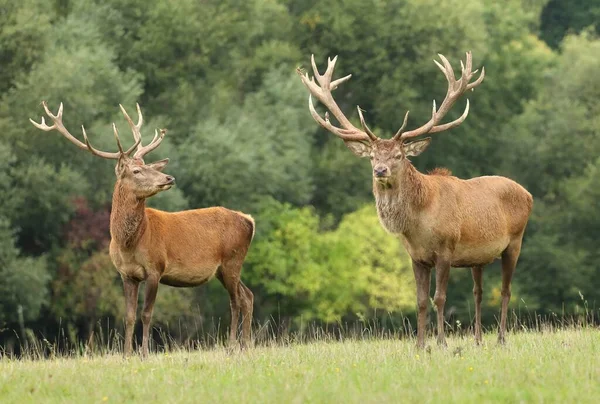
(442, 274)
(509, 262)
(423, 280)
(477, 273)
(130, 290)
(231, 282)
(247, 309)
(149, 299)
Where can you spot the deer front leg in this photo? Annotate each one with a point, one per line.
(149, 299)
(477, 273)
(442, 274)
(423, 280)
(130, 289)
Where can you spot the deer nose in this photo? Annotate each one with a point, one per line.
(170, 179)
(380, 171)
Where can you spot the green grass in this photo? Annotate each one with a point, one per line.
(562, 366)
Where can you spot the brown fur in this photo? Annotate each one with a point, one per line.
(443, 171)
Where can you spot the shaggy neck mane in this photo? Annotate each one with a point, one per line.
(127, 217)
(399, 202)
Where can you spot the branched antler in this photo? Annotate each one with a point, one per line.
(322, 91)
(455, 90)
(325, 86)
(135, 129)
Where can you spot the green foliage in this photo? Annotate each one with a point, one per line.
(559, 136)
(254, 152)
(328, 275)
(23, 280)
(48, 193)
(23, 36)
(561, 17)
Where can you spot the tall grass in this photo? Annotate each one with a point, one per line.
(107, 339)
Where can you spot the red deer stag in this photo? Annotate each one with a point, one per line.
(180, 249)
(443, 221)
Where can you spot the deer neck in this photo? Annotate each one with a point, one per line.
(400, 201)
(127, 218)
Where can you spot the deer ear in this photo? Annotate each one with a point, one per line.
(417, 147)
(359, 148)
(159, 165)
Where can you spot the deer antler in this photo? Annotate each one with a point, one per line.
(135, 129)
(323, 93)
(455, 90)
(59, 126)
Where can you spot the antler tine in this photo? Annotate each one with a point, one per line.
(325, 123)
(450, 125)
(142, 151)
(322, 91)
(423, 129)
(455, 90)
(448, 70)
(337, 82)
(88, 144)
(316, 73)
(397, 135)
(478, 81)
(116, 132)
(135, 128)
(100, 153)
(364, 125)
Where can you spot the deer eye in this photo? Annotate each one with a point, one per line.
(398, 156)
(137, 171)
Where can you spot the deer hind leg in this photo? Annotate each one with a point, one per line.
(247, 306)
(509, 262)
(423, 280)
(477, 273)
(130, 290)
(230, 278)
(149, 299)
(442, 274)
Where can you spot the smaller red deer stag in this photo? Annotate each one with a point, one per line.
(180, 249)
(443, 221)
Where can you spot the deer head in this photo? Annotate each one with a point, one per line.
(386, 155)
(144, 180)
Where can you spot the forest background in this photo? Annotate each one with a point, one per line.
(220, 75)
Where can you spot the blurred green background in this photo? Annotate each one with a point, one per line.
(219, 74)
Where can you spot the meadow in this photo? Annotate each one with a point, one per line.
(548, 366)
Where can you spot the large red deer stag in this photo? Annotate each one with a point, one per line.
(442, 220)
(179, 249)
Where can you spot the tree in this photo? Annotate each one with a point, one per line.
(261, 149)
(23, 280)
(556, 160)
(350, 271)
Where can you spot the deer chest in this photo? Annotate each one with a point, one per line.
(392, 215)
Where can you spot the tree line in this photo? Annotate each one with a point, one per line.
(220, 75)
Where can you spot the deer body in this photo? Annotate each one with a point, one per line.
(472, 221)
(177, 249)
(443, 221)
(206, 240)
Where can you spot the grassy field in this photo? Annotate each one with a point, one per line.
(562, 366)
